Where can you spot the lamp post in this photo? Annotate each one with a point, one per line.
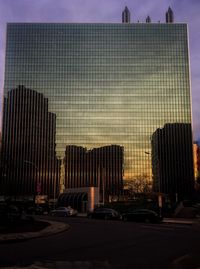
(149, 167)
(58, 182)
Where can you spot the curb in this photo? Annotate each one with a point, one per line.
(175, 221)
(53, 228)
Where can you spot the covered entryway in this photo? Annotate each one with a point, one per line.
(81, 199)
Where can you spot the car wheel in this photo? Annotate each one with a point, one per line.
(106, 217)
(147, 220)
(90, 217)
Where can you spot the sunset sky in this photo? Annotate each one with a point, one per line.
(108, 11)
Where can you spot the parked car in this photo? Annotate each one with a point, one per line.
(104, 213)
(142, 215)
(35, 210)
(9, 213)
(64, 212)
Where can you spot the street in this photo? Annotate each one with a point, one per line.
(105, 244)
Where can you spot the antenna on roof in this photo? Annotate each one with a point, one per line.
(148, 19)
(126, 16)
(169, 16)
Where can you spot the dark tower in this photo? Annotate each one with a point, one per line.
(126, 16)
(172, 160)
(99, 167)
(28, 145)
(148, 19)
(169, 16)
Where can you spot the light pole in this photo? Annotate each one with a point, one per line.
(58, 170)
(149, 167)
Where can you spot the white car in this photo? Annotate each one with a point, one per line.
(64, 212)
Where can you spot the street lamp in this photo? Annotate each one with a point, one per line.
(149, 165)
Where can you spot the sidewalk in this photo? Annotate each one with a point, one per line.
(54, 228)
(181, 221)
(195, 223)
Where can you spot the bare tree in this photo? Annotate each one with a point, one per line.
(139, 184)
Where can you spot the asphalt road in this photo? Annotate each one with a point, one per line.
(107, 244)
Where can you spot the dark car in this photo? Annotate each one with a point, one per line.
(64, 212)
(142, 215)
(36, 210)
(9, 213)
(104, 213)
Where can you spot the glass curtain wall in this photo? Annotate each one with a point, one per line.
(108, 84)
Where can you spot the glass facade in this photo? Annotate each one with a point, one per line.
(107, 84)
(99, 167)
(29, 162)
(172, 160)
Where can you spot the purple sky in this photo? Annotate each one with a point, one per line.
(108, 11)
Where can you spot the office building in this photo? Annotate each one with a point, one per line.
(29, 163)
(172, 160)
(107, 83)
(196, 150)
(99, 167)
